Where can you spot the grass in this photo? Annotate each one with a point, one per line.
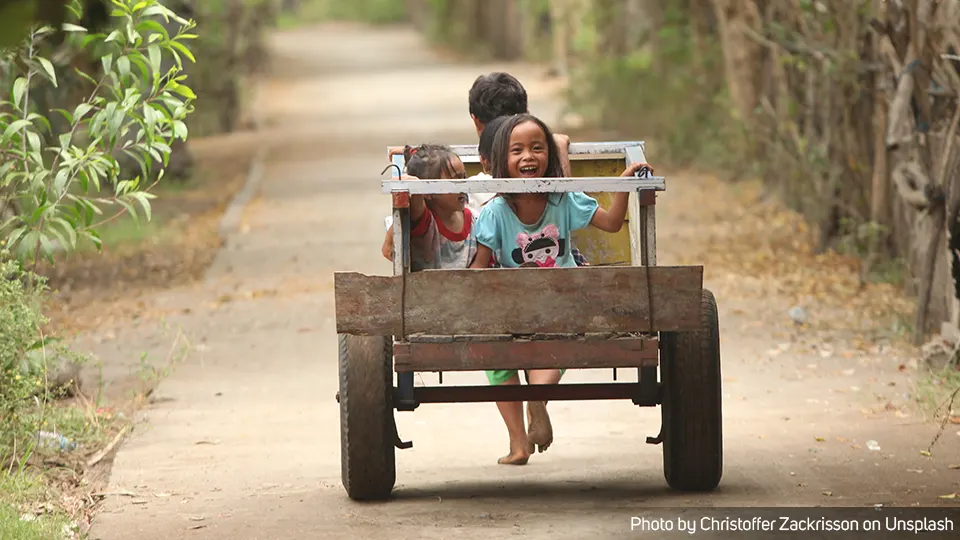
(20, 492)
(45, 527)
(317, 11)
(935, 389)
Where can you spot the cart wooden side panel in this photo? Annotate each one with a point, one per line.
(520, 301)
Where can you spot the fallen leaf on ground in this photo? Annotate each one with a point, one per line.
(924, 453)
(819, 439)
(954, 467)
(955, 419)
(827, 493)
(948, 496)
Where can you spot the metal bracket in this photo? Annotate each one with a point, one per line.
(658, 439)
(402, 445)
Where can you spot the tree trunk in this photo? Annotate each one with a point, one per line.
(742, 55)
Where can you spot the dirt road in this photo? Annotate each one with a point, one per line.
(242, 439)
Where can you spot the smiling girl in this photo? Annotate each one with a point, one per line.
(534, 230)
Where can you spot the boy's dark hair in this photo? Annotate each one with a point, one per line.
(501, 147)
(429, 161)
(485, 148)
(497, 94)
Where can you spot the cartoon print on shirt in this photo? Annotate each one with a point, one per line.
(541, 249)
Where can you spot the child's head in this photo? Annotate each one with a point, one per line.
(524, 148)
(429, 161)
(493, 95)
(485, 148)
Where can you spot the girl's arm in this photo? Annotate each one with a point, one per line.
(387, 248)
(612, 220)
(482, 259)
(417, 208)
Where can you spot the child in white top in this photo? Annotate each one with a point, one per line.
(442, 227)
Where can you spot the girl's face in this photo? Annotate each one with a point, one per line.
(451, 202)
(529, 154)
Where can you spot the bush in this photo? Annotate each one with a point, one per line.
(20, 323)
(52, 175)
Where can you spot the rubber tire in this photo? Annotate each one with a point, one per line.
(691, 410)
(368, 465)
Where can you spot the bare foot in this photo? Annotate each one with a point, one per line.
(518, 456)
(515, 458)
(541, 430)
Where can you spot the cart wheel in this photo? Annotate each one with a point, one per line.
(367, 461)
(691, 408)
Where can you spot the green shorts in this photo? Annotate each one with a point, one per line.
(500, 376)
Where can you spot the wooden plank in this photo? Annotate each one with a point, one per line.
(521, 301)
(526, 354)
(608, 184)
(530, 392)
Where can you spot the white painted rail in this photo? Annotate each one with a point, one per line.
(604, 184)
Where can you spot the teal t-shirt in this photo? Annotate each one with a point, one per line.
(544, 244)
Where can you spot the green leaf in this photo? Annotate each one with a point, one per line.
(183, 90)
(157, 9)
(112, 37)
(123, 65)
(19, 91)
(157, 28)
(155, 57)
(70, 27)
(94, 237)
(144, 199)
(180, 130)
(15, 126)
(81, 111)
(183, 50)
(48, 68)
(15, 237)
(68, 229)
(34, 141)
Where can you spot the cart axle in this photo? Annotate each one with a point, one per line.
(537, 392)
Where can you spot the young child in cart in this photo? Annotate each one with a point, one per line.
(442, 227)
(534, 230)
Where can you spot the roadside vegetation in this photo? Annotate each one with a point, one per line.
(88, 122)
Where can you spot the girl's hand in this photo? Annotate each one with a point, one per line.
(632, 169)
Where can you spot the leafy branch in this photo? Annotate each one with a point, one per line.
(136, 109)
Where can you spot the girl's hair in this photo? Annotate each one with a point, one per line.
(501, 147)
(487, 136)
(429, 161)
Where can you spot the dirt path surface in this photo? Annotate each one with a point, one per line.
(242, 440)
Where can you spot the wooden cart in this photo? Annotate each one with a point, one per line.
(630, 314)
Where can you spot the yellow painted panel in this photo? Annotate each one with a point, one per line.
(600, 247)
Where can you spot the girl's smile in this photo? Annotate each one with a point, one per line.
(528, 151)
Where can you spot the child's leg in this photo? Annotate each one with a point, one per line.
(512, 413)
(541, 429)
